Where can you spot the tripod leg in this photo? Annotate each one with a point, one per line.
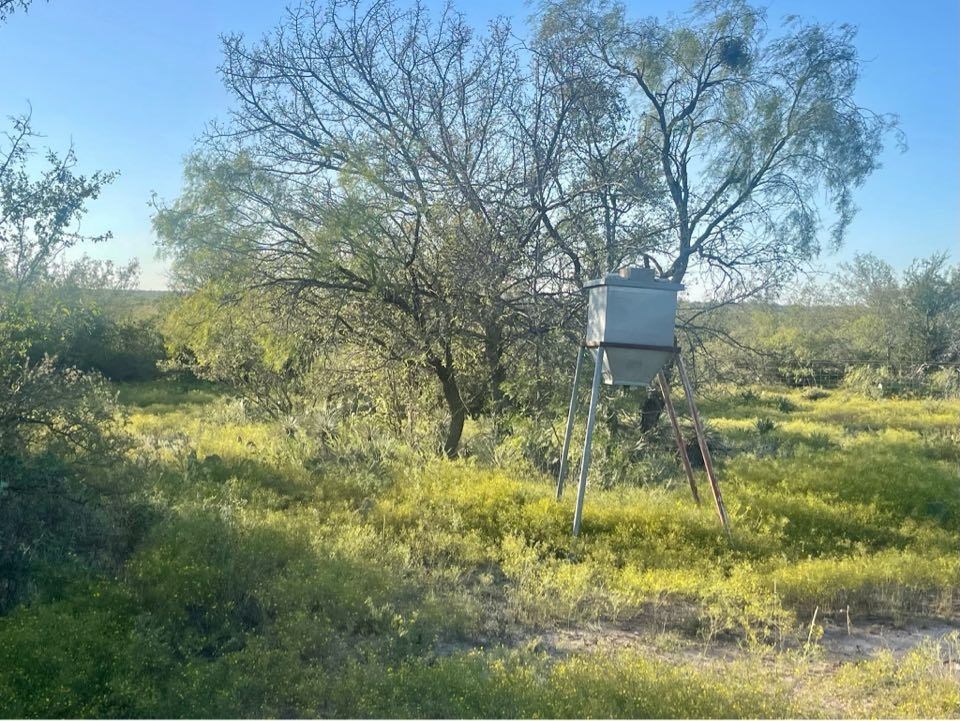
(702, 441)
(681, 446)
(585, 460)
(565, 454)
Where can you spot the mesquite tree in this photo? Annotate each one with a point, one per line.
(746, 131)
(386, 169)
(440, 194)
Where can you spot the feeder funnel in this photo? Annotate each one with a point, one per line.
(631, 315)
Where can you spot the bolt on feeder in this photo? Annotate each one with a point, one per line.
(631, 320)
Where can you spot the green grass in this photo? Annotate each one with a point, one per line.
(285, 575)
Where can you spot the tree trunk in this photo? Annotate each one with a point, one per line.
(654, 404)
(493, 350)
(651, 410)
(455, 405)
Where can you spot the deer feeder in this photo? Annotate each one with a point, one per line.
(631, 317)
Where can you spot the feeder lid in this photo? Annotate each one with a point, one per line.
(633, 277)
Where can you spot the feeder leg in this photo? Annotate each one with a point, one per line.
(585, 460)
(702, 442)
(681, 446)
(565, 454)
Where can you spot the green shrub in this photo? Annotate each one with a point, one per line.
(945, 382)
(764, 425)
(44, 520)
(784, 404)
(70, 658)
(121, 351)
(500, 684)
(873, 382)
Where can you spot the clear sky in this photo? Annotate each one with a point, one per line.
(133, 82)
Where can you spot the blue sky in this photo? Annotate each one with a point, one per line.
(132, 84)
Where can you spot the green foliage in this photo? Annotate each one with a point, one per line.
(373, 226)
(919, 685)
(334, 573)
(44, 522)
(872, 381)
(764, 425)
(266, 359)
(867, 321)
(58, 425)
(915, 318)
(80, 334)
(280, 367)
(945, 382)
(57, 436)
(785, 405)
(120, 351)
(77, 671)
(529, 685)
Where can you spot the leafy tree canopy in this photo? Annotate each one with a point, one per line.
(439, 194)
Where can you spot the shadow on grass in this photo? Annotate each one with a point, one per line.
(213, 616)
(167, 395)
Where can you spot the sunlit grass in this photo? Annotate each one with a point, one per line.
(287, 573)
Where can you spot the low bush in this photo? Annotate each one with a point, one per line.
(944, 382)
(764, 425)
(873, 382)
(814, 394)
(784, 404)
(120, 351)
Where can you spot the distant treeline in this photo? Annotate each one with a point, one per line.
(869, 326)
